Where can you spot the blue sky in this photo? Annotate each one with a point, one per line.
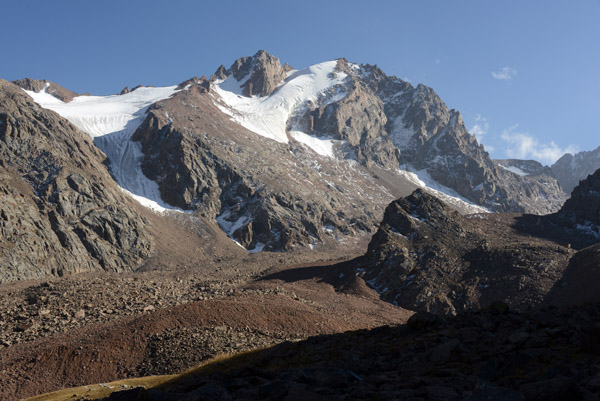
(524, 74)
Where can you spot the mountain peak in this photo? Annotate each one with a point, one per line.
(49, 87)
(261, 73)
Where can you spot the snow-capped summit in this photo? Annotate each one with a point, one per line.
(272, 115)
(283, 157)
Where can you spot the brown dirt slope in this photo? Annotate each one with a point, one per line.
(135, 339)
(488, 355)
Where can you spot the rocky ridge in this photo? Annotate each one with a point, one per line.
(433, 138)
(427, 257)
(524, 167)
(570, 169)
(260, 74)
(60, 211)
(583, 207)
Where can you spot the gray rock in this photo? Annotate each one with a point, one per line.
(571, 169)
(490, 392)
(428, 258)
(444, 351)
(49, 87)
(261, 73)
(60, 211)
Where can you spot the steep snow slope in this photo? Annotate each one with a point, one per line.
(111, 121)
(269, 116)
(423, 180)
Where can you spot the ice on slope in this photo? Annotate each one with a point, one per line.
(268, 116)
(514, 169)
(111, 121)
(423, 180)
(321, 145)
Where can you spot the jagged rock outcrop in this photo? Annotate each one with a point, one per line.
(579, 221)
(60, 211)
(580, 281)
(358, 118)
(427, 257)
(50, 87)
(263, 72)
(202, 84)
(433, 138)
(570, 169)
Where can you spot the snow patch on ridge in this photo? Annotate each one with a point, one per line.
(268, 116)
(111, 122)
(229, 227)
(423, 180)
(514, 169)
(400, 134)
(321, 145)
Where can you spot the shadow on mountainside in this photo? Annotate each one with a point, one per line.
(552, 228)
(550, 354)
(341, 276)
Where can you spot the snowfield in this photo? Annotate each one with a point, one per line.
(268, 116)
(514, 169)
(111, 121)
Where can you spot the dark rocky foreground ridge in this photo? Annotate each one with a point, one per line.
(493, 354)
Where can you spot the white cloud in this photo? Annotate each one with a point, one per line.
(522, 145)
(480, 128)
(505, 73)
(438, 61)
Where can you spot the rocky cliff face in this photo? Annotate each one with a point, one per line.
(580, 281)
(570, 169)
(583, 208)
(433, 138)
(60, 211)
(261, 73)
(524, 168)
(427, 257)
